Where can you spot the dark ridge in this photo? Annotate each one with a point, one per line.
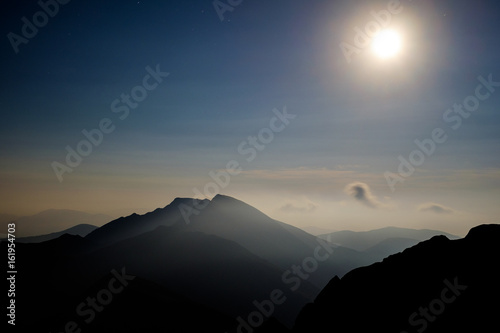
(388, 296)
(133, 225)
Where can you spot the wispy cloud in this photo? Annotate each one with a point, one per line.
(361, 193)
(435, 208)
(293, 208)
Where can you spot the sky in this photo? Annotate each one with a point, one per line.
(117, 107)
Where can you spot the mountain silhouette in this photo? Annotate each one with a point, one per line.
(79, 230)
(133, 225)
(439, 285)
(278, 243)
(53, 220)
(227, 258)
(214, 272)
(219, 272)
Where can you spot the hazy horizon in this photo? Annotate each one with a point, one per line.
(295, 218)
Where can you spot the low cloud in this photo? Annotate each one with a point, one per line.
(435, 208)
(361, 193)
(291, 208)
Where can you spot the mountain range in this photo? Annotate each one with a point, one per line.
(363, 240)
(51, 221)
(228, 257)
(230, 268)
(79, 230)
(383, 242)
(439, 285)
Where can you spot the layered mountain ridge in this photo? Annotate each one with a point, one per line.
(439, 285)
(229, 257)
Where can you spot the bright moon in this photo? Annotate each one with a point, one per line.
(386, 44)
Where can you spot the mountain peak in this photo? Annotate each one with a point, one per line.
(187, 201)
(225, 198)
(134, 224)
(230, 204)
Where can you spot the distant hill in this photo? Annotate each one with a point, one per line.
(390, 246)
(78, 230)
(7, 218)
(363, 240)
(55, 220)
(439, 285)
(316, 231)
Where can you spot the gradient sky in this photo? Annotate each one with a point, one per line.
(353, 119)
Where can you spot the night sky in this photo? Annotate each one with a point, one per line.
(351, 118)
